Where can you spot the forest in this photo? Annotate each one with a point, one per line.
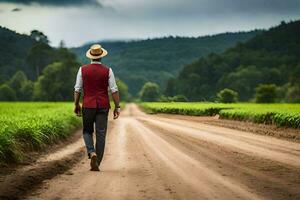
(270, 60)
(33, 70)
(262, 66)
(158, 60)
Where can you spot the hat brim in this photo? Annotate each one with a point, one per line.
(90, 56)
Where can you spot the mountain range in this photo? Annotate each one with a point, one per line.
(196, 67)
(158, 60)
(271, 57)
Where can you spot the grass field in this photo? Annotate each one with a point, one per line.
(287, 115)
(31, 126)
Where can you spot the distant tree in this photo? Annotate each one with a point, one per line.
(56, 83)
(293, 91)
(265, 93)
(293, 94)
(243, 80)
(7, 93)
(16, 82)
(227, 96)
(177, 98)
(180, 98)
(164, 98)
(123, 90)
(64, 55)
(38, 93)
(62, 44)
(170, 88)
(18, 79)
(26, 91)
(57, 80)
(282, 23)
(39, 56)
(282, 92)
(39, 36)
(150, 92)
(2, 79)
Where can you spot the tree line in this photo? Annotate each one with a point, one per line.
(269, 63)
(159, 59)
(46, 74)
(266, 68)
(265, 93)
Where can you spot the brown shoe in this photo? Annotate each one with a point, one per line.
(94, 165)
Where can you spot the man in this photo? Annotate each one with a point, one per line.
(95, 80)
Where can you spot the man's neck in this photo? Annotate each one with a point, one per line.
(95, 62)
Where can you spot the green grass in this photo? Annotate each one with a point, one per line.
(32, 126)
(287, 115)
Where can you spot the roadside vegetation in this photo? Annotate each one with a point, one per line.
(286, 115)
(31, 126)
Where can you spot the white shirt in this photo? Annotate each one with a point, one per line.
(111, 80)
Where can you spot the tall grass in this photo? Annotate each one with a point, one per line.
(32, 126)
(280, 114)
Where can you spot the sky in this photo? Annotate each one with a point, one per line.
(81, 21)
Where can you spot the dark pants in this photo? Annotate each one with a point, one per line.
(97, 116)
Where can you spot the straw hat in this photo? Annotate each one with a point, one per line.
(96, 51)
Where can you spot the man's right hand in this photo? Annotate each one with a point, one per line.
(117, 111)
(77, 110)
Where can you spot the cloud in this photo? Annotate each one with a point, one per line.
(16, 10)
(187, 8)
(258, 6)
(55, 2)
(75, 22)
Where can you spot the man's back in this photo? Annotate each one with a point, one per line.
(95, 85)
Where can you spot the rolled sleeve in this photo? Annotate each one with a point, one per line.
(112, 82)
(78, 84)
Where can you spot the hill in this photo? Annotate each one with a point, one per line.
(272, 57)
(27, 53)
(157, 60)
(30, 69)
(14, 48)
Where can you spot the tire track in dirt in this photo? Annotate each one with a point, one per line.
(222, 139)
(276, 181)
(153, 157)
(26, 178)
(271, 143)
(205, 182)
(126, 173)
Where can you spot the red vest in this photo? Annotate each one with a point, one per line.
(95, 86)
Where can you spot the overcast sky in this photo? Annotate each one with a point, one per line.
(80, 21)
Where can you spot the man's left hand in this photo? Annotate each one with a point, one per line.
(77, 110)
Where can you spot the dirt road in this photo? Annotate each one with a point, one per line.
(155, 157)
